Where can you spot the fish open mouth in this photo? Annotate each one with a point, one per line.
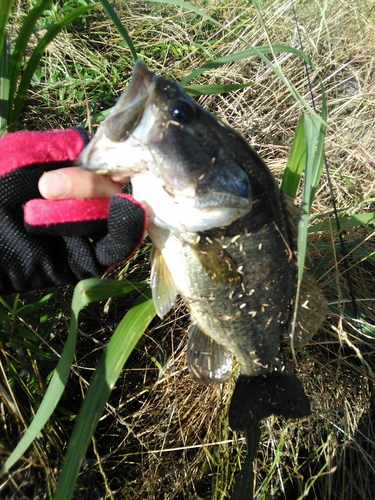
(129, 110)
(114, 151)
(139, 84)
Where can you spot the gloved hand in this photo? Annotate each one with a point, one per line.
(57, 242)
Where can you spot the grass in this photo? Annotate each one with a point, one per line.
(160, 435)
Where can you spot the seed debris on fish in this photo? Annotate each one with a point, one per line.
(222, 239)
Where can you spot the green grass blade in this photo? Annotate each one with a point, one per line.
(352, 247)
(5, 6)
(244, 54)
(96, 118)
(120, 27)
(4, 84)
(311, 139)
(312, 151)
(120, 347)
(307, 154)
(95, 289)
(356, 220)
(197, 90)
(296, 160)
(36, 55)
(312, 133)
(189, 7)
(85, 292)
(319, 155)
(19, 50)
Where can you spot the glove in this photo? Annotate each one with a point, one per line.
(57, 242)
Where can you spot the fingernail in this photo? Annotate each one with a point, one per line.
(54, 185)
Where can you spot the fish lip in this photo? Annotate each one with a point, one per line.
(138, 87)
(129, 109)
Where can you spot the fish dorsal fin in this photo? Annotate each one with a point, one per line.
(164, 291)
(208, 362)
(312, 311)
(312, 307)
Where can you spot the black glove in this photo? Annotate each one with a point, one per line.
(46, 242)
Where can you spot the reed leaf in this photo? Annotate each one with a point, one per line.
(120, 27)
(4, 84)
(19, 51)
(367, 219)
(121, 345)
(34, 60)
(5, 6)
(197, 90)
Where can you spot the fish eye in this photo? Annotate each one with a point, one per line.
(182, 111)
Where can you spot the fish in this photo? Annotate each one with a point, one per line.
(222, 239)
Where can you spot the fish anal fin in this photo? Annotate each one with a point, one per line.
(164, 291)
(208, 361)
(277, 393)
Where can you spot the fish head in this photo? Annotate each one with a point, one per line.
(171, 149)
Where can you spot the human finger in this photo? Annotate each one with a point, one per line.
(75, 182)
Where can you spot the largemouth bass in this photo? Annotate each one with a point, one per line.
(222, 240)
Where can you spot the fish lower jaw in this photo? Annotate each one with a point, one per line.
(189, 220)
(178, 212)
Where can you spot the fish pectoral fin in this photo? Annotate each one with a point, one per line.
(208, 361)
(217, 262)
(312, 311)
(164, 291)
(258, 397)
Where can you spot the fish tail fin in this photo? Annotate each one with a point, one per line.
(257, 397)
